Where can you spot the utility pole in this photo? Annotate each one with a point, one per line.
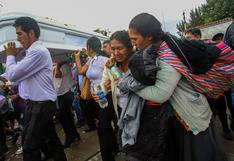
(164, 24)
(185, 27)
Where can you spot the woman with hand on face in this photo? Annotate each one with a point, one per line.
(93, 70)
(121, 51)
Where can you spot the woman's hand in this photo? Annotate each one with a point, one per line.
(95, 97)
(81, 69)
(118, 79)
(110, 62)
(77, 54)
(107, 85)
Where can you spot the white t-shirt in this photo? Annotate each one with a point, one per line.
(122, 99)
(63, 84)
(2, 100)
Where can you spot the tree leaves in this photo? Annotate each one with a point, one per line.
(213, 10)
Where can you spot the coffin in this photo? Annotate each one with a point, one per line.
(61, 39)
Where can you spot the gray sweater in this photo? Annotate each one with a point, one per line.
(190, 105)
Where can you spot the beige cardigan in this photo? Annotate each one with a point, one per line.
(108, 76)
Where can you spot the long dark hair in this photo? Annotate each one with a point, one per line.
(95, 44)
(147, 25)
(123, 37)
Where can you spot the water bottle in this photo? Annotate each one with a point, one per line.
(83, 54)
(115, 72)
(102, 98)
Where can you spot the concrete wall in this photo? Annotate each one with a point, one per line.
(209, 31)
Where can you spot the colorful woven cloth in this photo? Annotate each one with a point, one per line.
(213, 83)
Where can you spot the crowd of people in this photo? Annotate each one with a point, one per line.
(132, 89)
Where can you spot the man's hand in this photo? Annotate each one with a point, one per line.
(10, 49)
(3, 86)
(14, 97)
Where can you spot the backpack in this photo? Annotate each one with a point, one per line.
(197, 55)
(211, 79)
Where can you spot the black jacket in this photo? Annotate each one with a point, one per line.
(229, 36)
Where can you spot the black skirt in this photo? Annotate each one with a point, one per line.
(184, 146)
(152, 136)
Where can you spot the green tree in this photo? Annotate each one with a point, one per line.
(196, 17)
(181, 27)
(213, 10)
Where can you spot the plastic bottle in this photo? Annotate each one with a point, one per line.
(115, 72)
(102, 98)
(83, 54)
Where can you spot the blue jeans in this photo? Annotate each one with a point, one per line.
(77, 108)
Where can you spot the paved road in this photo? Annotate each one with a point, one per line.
(88, 148)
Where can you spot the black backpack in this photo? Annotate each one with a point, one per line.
(197, 55)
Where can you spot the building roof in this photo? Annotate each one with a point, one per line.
(212, 28)
(214, 23)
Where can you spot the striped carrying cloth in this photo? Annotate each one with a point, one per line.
(213, 83)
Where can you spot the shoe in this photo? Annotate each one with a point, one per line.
(115, 152)
(45, 158)
(77, 138)
(227, 135)
(68, 142)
